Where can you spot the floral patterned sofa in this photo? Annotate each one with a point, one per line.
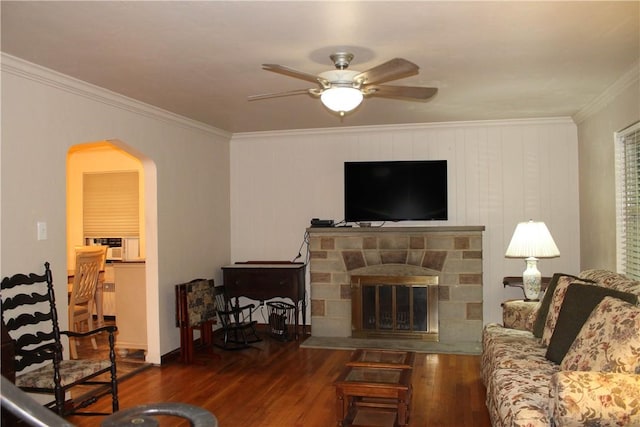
(572, 360)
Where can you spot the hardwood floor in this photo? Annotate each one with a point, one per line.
(280, 384)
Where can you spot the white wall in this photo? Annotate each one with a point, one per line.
(43, 115)
(614, 110)
(500, 173)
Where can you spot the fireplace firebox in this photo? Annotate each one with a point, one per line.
(395, 307)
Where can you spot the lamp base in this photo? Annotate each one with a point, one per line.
(532, 280)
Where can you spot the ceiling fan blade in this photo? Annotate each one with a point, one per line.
(281, 69)
(414, 93)
(394, 69)
(278, 94)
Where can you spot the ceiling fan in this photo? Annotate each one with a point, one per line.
(342, 90)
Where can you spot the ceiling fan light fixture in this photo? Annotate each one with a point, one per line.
(342, 90)
(341, 99)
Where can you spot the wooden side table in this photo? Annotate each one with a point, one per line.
(516, 282)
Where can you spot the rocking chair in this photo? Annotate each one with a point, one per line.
(238, 327)
(30, 315)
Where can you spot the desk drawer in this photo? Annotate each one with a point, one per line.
(259, 284)
(264, 283)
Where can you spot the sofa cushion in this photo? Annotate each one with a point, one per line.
(509, 348)
(503, 356)
(543, 310)
(496, 332)
(520, 397)
(609, 341)
(556, 304)
(605, 399)
(579, 302)
(514, 352)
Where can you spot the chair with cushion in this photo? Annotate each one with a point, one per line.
(238, 327)
(195, 310)
(83, 294)
(30, 316)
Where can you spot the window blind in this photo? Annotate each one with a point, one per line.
(111, 204)
(628, 212)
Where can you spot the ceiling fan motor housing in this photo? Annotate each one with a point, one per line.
(341, 59)
(341, 78)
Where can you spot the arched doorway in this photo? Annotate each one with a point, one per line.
(112, 156)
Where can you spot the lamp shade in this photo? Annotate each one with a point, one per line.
(532, 239)
(341, 99)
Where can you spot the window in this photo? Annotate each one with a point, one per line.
(628, 200)
(111, 204)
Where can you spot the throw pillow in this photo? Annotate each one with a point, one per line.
(609, 341)
(538, 326)
(531, 317)
(554, 307)
(579, 302)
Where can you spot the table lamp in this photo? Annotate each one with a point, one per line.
(531, 240)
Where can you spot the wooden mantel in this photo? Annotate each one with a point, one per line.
(393, 229)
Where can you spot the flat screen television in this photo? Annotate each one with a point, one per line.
(395, 191)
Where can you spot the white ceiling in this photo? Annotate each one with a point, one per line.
(202, 59)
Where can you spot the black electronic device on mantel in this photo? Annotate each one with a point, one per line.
(395, 191)
(316, 222)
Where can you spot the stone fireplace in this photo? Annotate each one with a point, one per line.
(394, 306)
(447, 260)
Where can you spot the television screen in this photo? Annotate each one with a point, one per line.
(395, 191)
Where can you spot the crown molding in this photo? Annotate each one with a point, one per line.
(611, 93)
(403, 127)
(28, 70)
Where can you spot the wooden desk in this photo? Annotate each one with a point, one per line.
(264, 281)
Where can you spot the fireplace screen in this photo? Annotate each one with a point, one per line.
(395, 306)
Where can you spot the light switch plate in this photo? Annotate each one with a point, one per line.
(42, 230)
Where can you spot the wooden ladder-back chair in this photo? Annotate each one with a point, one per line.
(101, 279)
(82, 302)
(237, 324)
(30, 316)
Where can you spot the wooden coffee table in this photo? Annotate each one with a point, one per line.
(363, 389)
(394, 359)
